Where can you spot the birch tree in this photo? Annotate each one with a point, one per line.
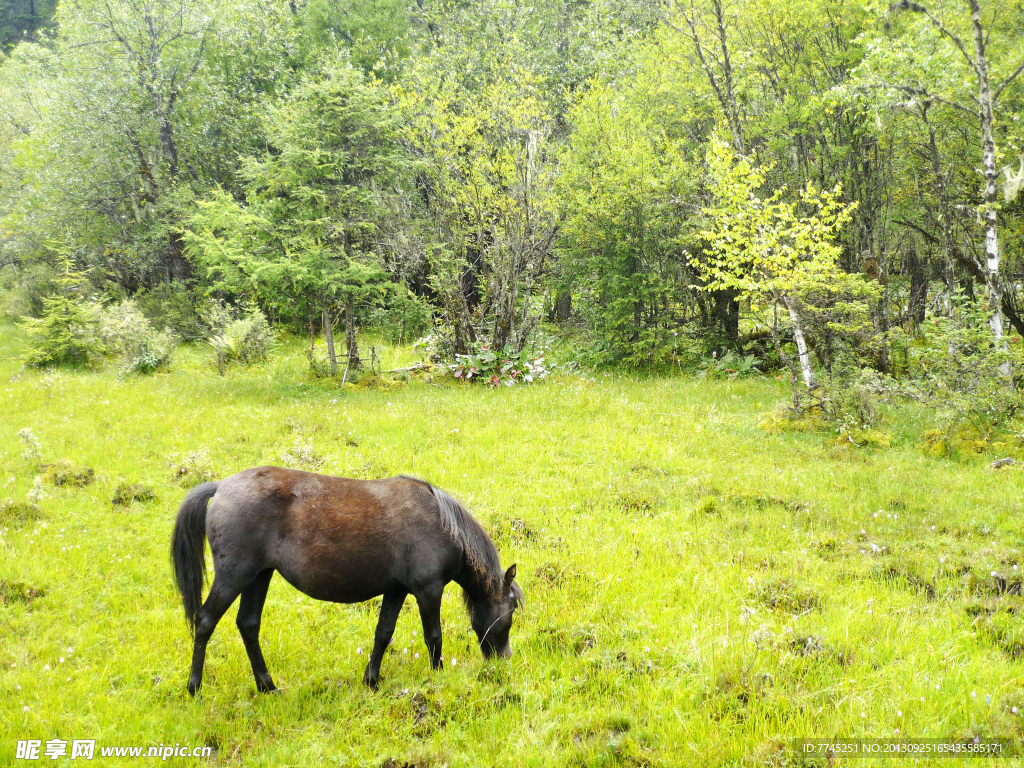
(769, 249)
(966, 35)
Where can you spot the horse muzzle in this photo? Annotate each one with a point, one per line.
(490, 653)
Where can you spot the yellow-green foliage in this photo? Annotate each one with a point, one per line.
(831, 592)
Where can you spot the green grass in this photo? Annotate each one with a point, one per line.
(698, 591)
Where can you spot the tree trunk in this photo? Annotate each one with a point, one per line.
(563, 306)
(329, 336)
(727, 312)
(350, 336)
(785, 359)
(918, 287)
(994, 288)
(168, 147)
(801, 343)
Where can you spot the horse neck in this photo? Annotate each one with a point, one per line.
(479, 585)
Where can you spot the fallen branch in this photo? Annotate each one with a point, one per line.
(413, 368)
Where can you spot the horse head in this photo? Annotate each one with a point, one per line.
(492, 618)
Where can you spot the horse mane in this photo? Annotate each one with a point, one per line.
(481, 556)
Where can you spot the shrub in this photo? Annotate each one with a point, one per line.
(216, 316)
(407, 317)
(126, 332)
(174, 307)
(33, 452)
(36, 493)
(494, 369)
(23, 293)
(66, 334)
(245, 340)
(952, 366)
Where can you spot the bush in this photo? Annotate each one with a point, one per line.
(23, 292)
(952, 366)
(66, 334)
(174, 307)
(33, 451)
(494, 369)
(406, 318)
(126, 332)
(244, 340)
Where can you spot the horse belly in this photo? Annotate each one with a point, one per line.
(347, 584)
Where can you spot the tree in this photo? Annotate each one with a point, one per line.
(486, 183)
(147, 104)
(626, 196)
(376, 34)
(772, 249)
(304, 238)
(22, 19)
(933, 77)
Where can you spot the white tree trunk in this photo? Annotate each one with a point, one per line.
(801, 344)
(988, 150)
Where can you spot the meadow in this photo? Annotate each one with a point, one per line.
(699, 590)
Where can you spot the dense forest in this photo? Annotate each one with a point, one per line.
(828, 186)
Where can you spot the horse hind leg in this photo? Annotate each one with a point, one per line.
(250, 611)
(222, 595)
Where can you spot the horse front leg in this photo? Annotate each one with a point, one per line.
(429, 602)
(390, 607)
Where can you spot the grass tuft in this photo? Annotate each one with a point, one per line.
(64, 473)
(127, 493)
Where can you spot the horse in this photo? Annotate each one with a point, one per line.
(340, 540)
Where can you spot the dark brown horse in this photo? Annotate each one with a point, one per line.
(339, 540)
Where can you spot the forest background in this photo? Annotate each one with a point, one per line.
(824, 188)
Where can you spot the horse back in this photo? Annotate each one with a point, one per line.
(333, 538)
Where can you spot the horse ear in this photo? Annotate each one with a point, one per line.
(510, 575)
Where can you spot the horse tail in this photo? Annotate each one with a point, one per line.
(188, 549)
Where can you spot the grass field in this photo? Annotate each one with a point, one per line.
(699, 591)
